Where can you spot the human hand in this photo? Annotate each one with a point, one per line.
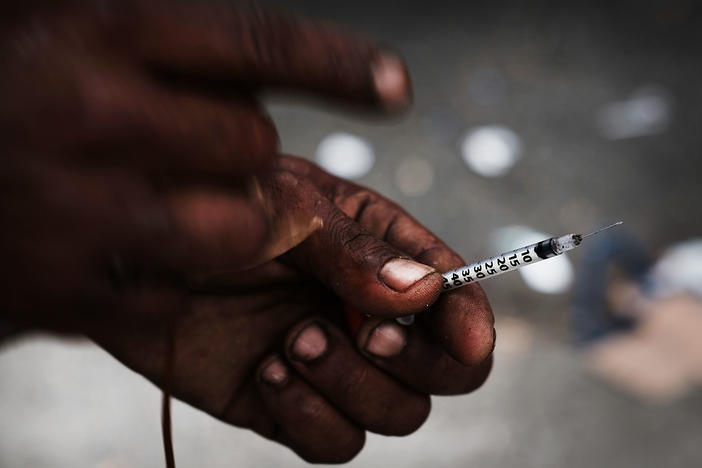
(267, 348)
(131, 134)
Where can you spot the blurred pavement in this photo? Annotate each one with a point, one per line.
(565, 77)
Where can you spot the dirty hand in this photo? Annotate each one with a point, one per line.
(268, 348)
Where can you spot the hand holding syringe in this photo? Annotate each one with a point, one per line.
(510, 261)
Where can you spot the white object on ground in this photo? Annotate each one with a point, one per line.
(491, 150)
(345, 155)
(646, 112)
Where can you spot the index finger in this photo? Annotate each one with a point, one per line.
(257, 47)
(462, 320)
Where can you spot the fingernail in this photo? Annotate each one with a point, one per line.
(386, 340)
(406, 320)
(310, 344)
(275, 373)
(400, 274)
(390, 79)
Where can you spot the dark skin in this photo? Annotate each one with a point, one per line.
(145, 200)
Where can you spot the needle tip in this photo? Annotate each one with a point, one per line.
(603, 229)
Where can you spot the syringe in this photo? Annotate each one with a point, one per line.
(515, 259)
(509, 261)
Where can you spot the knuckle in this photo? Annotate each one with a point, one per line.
(312, 411)
(357, 204)
(377, 252)
(355, 239)
(288, 182)
(346, 233)
(358, 240)
(353, 381)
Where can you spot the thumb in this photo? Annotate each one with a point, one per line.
(363, 270)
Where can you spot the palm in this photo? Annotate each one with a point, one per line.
(221, 339)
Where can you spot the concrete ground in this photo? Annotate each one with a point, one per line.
(552, 69)
(77, 407)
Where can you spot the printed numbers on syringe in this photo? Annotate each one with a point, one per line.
(490, 267)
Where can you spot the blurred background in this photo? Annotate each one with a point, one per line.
(530, 119)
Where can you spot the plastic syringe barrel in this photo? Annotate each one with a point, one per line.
(509, 261)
